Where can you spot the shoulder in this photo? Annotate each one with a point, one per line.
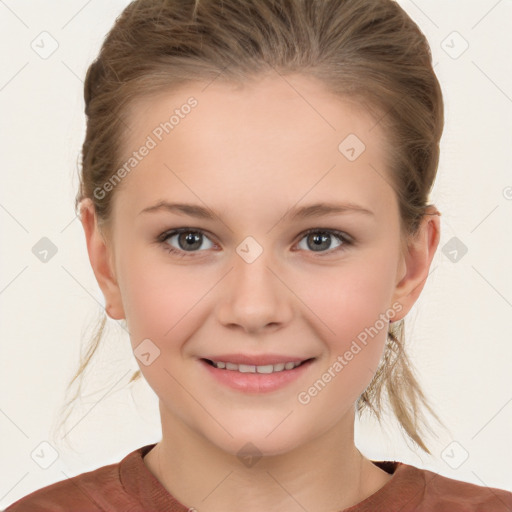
(97, 490)
(445, 494)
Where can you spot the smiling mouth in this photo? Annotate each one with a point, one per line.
(249, 368)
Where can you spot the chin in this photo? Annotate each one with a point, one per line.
(255, 443)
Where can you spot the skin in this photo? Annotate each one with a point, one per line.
(250, 154)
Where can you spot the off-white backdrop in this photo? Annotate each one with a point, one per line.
(458, 333)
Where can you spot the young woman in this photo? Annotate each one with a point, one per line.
(255, 200)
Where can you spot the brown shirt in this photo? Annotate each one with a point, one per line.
(129, 486)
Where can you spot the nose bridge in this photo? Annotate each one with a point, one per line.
(252, 276)
(253, 296)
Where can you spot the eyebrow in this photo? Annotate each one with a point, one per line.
(312, 210)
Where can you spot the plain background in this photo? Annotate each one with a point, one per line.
(458, 333)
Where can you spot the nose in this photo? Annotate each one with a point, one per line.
(254, 296)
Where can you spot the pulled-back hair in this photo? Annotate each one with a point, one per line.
(366, 51)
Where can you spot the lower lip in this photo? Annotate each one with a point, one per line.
(256, 382)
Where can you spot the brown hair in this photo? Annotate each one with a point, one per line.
(368, 51)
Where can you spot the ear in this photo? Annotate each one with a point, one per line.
(415, 261)
(101, 258)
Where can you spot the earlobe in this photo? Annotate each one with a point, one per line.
(417, 260)
(100, 257)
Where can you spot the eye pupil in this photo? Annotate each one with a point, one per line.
(192, 240)
(318, 240)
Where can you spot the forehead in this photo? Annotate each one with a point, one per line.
(285, 136)
(268, 106)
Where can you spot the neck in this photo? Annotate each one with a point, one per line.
(328, 473)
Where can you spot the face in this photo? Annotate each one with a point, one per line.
(256, 269)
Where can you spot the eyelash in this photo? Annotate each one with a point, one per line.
(345, 239)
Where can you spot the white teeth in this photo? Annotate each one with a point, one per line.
(250, 368)
(246, 368)
(265, 369)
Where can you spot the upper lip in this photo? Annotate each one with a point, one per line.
(256, 360)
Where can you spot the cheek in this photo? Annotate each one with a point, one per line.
(351, 298)
(162, 303)
(159, 299)
(352, 312)
(352, 308)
